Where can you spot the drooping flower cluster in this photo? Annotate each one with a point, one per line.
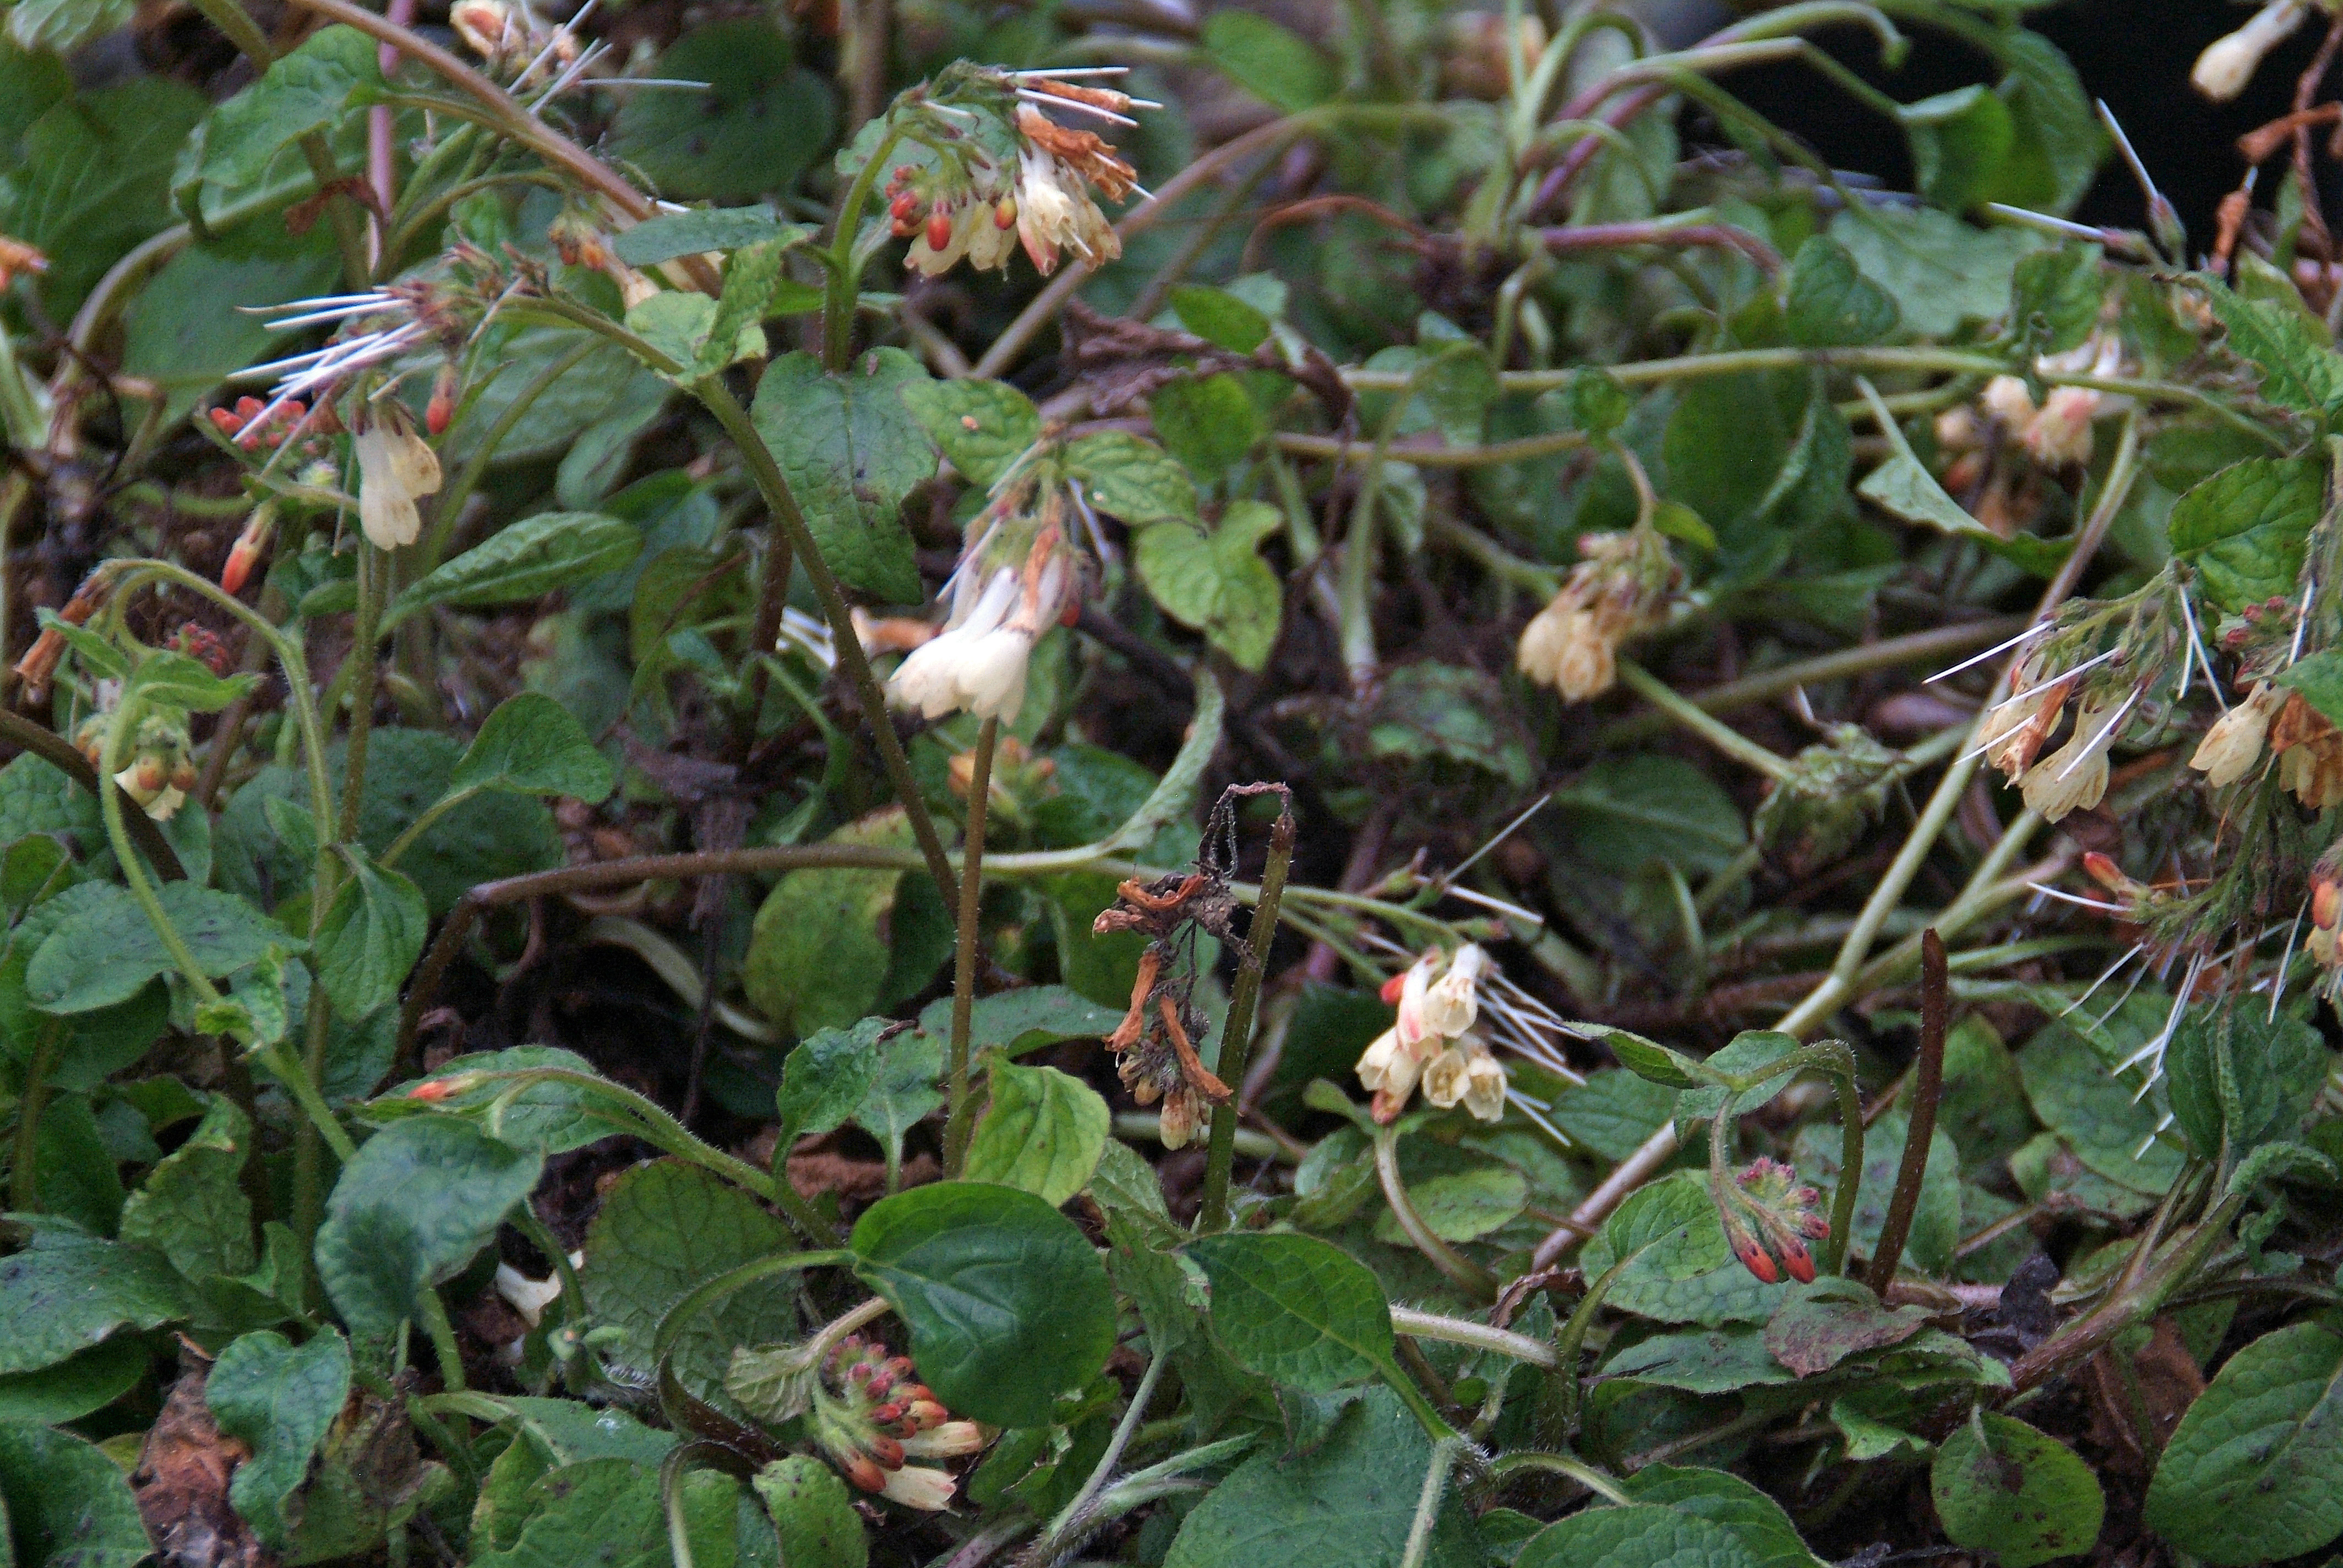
(871, 1415)
(2056, 433)
(1020, 575)
(395, 466)
(1432, 1041)
(1768, 1218)
(1016, 173)
(516, 44)
(2104, 690)
(1618, 589)
(160, 770)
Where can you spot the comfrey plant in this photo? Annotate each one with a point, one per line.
(787, 800)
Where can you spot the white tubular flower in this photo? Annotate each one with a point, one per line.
(1389, 1068)
(949, 1441)
(932, 679)
(1543, 640)
(1451, 1003)
(395, 467)
(2233, 744)
(2076, 775)
(2007, 400)
(526, 1296)
(1055, 211)
(1444, 1076)
(2229, 63)
(1484, 1087)
(1414, 987)
(916, 1486)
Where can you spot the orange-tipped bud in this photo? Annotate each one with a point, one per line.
(1753, 1258)
(2326, 904)
(441, 410)
(1392, 988)
(1004, 213)
(861, 1470)
(940, 226)
(1798, 1260)
(238, 570)
(887, 1451)
(183, 777)
(432, 1090)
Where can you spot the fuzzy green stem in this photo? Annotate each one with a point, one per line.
(1727, 740)
(1927, 1089)
(1462, 1271)
(24, 1162)
(845, 283)
(434, 1314)
(1427, 1501)
(1476, 1336)
(1850, 1167)
(1236, 1035)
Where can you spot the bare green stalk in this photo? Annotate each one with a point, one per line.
(1236, 1035)
(960, 1123)
(1927, 1089)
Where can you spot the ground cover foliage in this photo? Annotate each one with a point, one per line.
(892, 782)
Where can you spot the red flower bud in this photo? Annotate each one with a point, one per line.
(1798, 1260)
(238, 570)
(940, 226)
(1392, 988)
(1754, 1259)
(861, 1470)
(442, 407)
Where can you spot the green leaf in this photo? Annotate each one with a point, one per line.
(2319, 677)
(1626, 813)
(827, 1076)
(1959, 142)
(2070, 1080)
(1681, 1268)
(1348, 1502)
(813, 1514)
(532, 745)
(189, 329)
(1755, 1055)
(1460, 1205)
(61, 27)
(1701, 1361)
(335, 70)
(762, 122)
(851, 451)
(78, 1386)
(527, 560)
(1007, 1305)
(678, 234)
(372, 934)
(1728, 1500)
(1939, 271)
(2300, 369)
(95, 181)
(107, 949)
(663, 1229)
(280, 1399)
(66, 1292)
(1828, 303)
(2249, 1475)
(2000, 1486)
(1296, 1309)
(1124, 1182)
(35, 797)
(606, 1511)
(192, 1207)
(2055, 297)
(1016, 1022)
(1219, 318)
(1615, 1112)
(980, 426)
(1431, 710)
(2273, 1070)
(750, 278)
(902, 1090)
(1638, 1535)
(818, 950)
(68, 1505)
(545, 1118)
(1042, 1134)
(1269, 61)
(607, 388)
(75, 1172)
(1131, 478)
(2244, 529)
(173, 680)
(1209, 422)
(419, 1199)
(1216, 581)
(1824, 1322)
(1903, 486)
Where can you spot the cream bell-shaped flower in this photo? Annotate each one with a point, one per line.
(2076, 775)
(916, 1486)
(932, 680)
(951, 1440)
(1390, 1068)
(1413, 1026)
(1484, 1087)
(1055, 211)
(395, 467)
(2230, 61)
(1451, 1003)
(2233, 744)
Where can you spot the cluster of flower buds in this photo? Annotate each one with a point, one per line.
(1768, 1215)
(2230, 61)
(1618, 589)
(579, 240)
(2056, 432)
(253, 425)
(160, 771)
(1019, 577)
(202, 644)
(870, 1415)
(1432, 1042)
(1018, 173)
